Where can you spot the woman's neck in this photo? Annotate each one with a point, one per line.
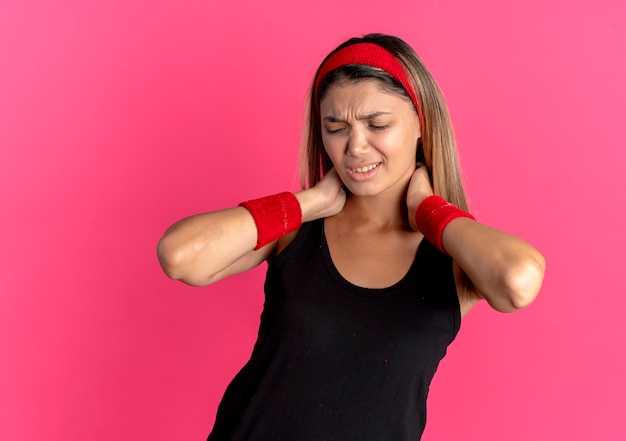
(380, 211)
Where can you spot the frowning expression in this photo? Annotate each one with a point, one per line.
(370, 136)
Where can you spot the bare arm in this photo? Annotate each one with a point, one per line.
(204, 248)
(503, 269)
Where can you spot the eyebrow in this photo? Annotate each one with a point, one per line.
(333, 119)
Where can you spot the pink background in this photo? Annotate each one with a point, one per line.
(118, 118)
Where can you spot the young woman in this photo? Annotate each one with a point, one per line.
(371, 266)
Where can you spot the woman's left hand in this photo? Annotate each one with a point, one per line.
(419, 189)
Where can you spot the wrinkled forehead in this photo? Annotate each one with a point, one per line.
(366, 95)
(371, 58)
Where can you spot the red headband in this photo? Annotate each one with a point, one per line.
(370, 54)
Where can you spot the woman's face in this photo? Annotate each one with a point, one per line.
(370, 136)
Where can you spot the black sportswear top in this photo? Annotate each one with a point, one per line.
(334, 361)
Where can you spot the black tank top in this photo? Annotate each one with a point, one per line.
(334, 361)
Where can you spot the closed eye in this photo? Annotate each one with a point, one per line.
(378, 127)
(334, 131)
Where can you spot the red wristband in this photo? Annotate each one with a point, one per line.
(274, 216)
(432, 217)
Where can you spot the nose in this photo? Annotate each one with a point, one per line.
(357, 143)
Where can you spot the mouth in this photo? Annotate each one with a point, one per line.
(364, 173)
(365, 169)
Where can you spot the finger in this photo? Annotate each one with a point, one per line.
(332, 174)
(422, 170)
(335, 176)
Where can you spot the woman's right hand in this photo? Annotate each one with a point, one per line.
(205, 248)
(325, 199)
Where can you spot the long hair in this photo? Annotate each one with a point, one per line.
(438, 142)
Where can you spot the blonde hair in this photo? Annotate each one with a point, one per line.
(437, 142)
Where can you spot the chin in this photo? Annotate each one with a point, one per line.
(363, 190)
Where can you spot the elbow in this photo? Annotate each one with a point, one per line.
(522, 282)
(170, 259)
(175, 263)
